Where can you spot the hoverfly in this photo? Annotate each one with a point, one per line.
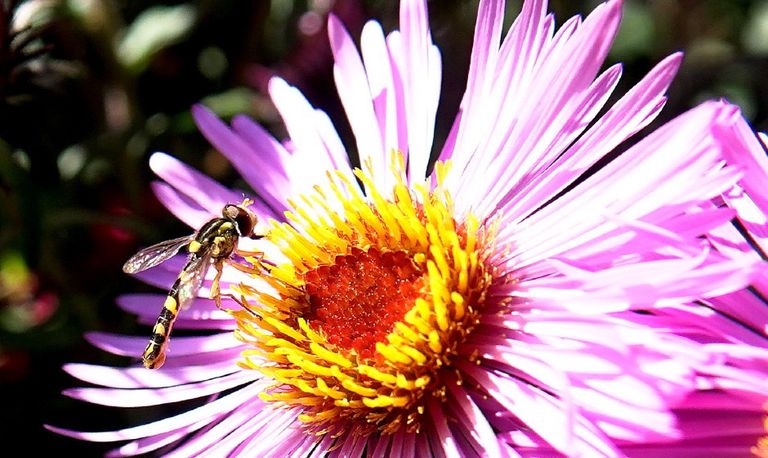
(213, 244)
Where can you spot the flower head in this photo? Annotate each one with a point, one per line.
(372, 305)
(497, 301)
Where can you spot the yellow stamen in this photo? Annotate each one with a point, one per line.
(367, 374)
(376, 374)
(761, 448)
(331, 357)
(355, 388)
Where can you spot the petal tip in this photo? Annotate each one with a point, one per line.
(160, 161)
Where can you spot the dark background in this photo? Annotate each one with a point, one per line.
(90, 88)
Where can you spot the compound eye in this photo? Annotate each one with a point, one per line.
(231, 211)
(246, 222)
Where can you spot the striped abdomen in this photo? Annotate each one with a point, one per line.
(154, 354)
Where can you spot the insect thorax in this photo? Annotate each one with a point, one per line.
(219, 236)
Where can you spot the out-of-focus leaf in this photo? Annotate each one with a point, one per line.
(709, 50)
(239, 100)
(740, 94)
(71, 161)
(636, 34)
(232, 102)
(212, 62)
(33, 14)
(755, 35)
(154, 29)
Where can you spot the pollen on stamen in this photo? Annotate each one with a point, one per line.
(359, 326)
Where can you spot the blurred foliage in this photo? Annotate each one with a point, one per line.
(90, 88)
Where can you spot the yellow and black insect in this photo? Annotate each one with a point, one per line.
(213, 244)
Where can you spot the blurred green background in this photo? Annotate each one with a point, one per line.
(90, 88)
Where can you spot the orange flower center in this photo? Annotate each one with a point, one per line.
(357, 300)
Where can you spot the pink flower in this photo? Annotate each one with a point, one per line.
(511, 304)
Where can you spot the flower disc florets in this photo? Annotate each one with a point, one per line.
(361, 323)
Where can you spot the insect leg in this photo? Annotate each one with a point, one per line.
(255, 254)
(218, 264)
(240, 300)
(256, 267)
(243, 303)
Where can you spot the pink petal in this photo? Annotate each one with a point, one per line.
(442, 433)
(308, 129)
(132, 346)
(421, 74)
(355, 95)
(157, 396)
(743, 147)
(274, 427)
(195, 417)
(641, 285)
(547, 107)
(641, 417)
(583, 108)
(134, 377)
(423, 447)
(224, 433)
(182, 207)
(485, 50)
(634, 110)
(266, 178)
(553, 420)
(480, 106)
(746, 307)
(193, 197)
(637, 238)
(151, 443)
(149, 306)
(387, 90)
(408, 441)
(654, 180)
(205, 191)
(475, 422)
(381, 446)
(351, 445)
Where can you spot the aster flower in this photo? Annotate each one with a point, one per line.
(495, 302)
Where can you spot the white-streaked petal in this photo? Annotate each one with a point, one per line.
(355, 95)
(156, 396)
(135, 377)
(151, 443)
(195, 416)
(634, 110)
(476, 424)
(554, 420)
(421, 76)
(309, 133)
(386, 89)
(119, 344)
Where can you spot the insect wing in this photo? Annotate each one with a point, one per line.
(155, 254)
(191, 278)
